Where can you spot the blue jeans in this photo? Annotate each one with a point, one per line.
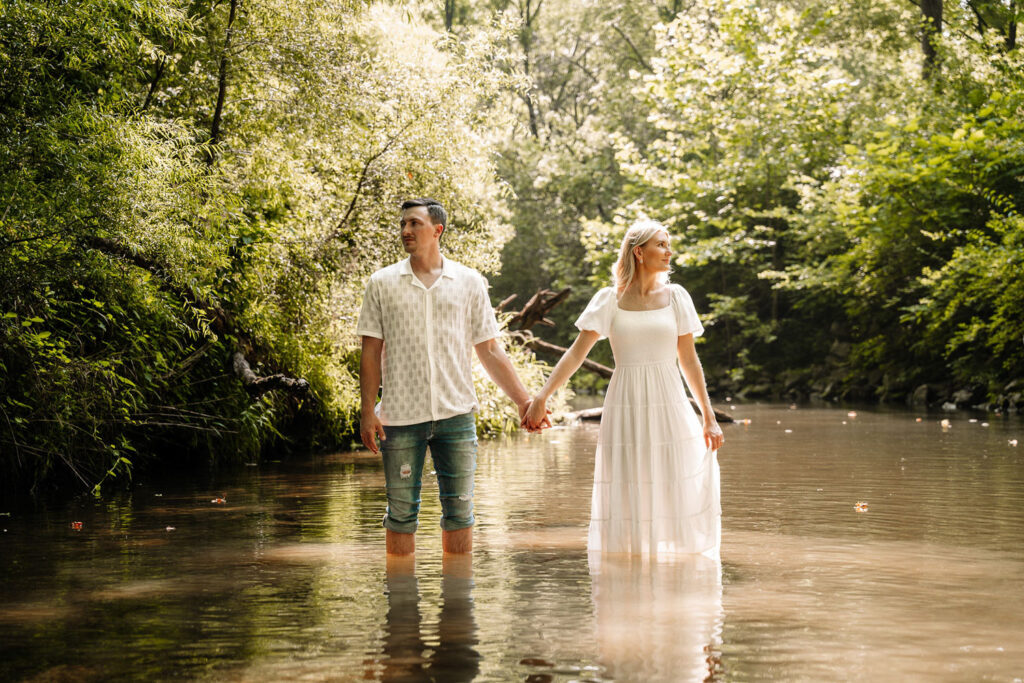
(452, 443)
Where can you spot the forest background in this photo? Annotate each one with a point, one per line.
(193, 193)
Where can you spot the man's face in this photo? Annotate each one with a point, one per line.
(418, 230)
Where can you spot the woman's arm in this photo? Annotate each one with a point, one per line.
(694, 375)
(567, 366)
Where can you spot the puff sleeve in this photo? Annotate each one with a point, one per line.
(598, 314)
(687, 321)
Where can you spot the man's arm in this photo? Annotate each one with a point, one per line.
(369, 382)
(499, 369)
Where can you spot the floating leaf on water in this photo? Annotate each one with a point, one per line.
(535, 661)
(540, 678)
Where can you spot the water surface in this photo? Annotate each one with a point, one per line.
(287, 579)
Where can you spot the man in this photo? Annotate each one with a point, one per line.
(420, 321)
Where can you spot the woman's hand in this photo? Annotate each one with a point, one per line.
(536, 417)
(713, 437)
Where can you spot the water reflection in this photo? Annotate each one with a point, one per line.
(288, 580)
(409, 653)
(659, 621)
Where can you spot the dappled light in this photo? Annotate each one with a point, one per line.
(207, 250)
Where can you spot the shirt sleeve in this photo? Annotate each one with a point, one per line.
(686, 315)
(482, 323)
(371, 322)
(597, 316)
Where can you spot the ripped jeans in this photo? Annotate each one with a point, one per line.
(452, 443)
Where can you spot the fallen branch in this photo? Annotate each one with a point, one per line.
(257, 386)
(553, 349)
(536, 309)
(221, 322)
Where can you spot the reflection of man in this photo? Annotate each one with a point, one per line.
(453, 656)
(420, 321)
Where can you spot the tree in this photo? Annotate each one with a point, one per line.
(186, 181)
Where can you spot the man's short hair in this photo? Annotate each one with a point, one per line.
(437, 213)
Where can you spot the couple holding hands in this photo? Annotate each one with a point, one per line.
(656, 476)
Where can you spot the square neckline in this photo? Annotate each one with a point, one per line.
(646, 310)
(642, 310)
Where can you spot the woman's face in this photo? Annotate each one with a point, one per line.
(655, 254)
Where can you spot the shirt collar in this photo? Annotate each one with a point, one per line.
(405, 268)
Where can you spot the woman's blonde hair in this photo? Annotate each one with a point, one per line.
(637, 236)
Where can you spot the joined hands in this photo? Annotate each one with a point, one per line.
(533, 415)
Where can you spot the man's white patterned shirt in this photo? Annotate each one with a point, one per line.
(428, 336)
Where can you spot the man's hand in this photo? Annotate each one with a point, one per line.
(370, 428)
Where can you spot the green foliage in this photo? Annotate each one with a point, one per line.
(834, 211)
(123, 229)
(847, 227)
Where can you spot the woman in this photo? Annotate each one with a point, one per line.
(656, 481)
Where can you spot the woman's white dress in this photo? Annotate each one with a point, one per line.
(656, 484)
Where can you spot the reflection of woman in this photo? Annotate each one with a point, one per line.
(656, 487)
(659, 621)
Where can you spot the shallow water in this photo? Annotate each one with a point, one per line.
(287, 579)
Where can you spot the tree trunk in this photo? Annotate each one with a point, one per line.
(449, 14)
(526, 40)
(222, 77)
(1011, 28)
(932, 29)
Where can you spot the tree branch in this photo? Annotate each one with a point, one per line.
(639, 57)
(362, 179)
(257, 386)
(535, 310)
(222, 79)
(156, 79)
